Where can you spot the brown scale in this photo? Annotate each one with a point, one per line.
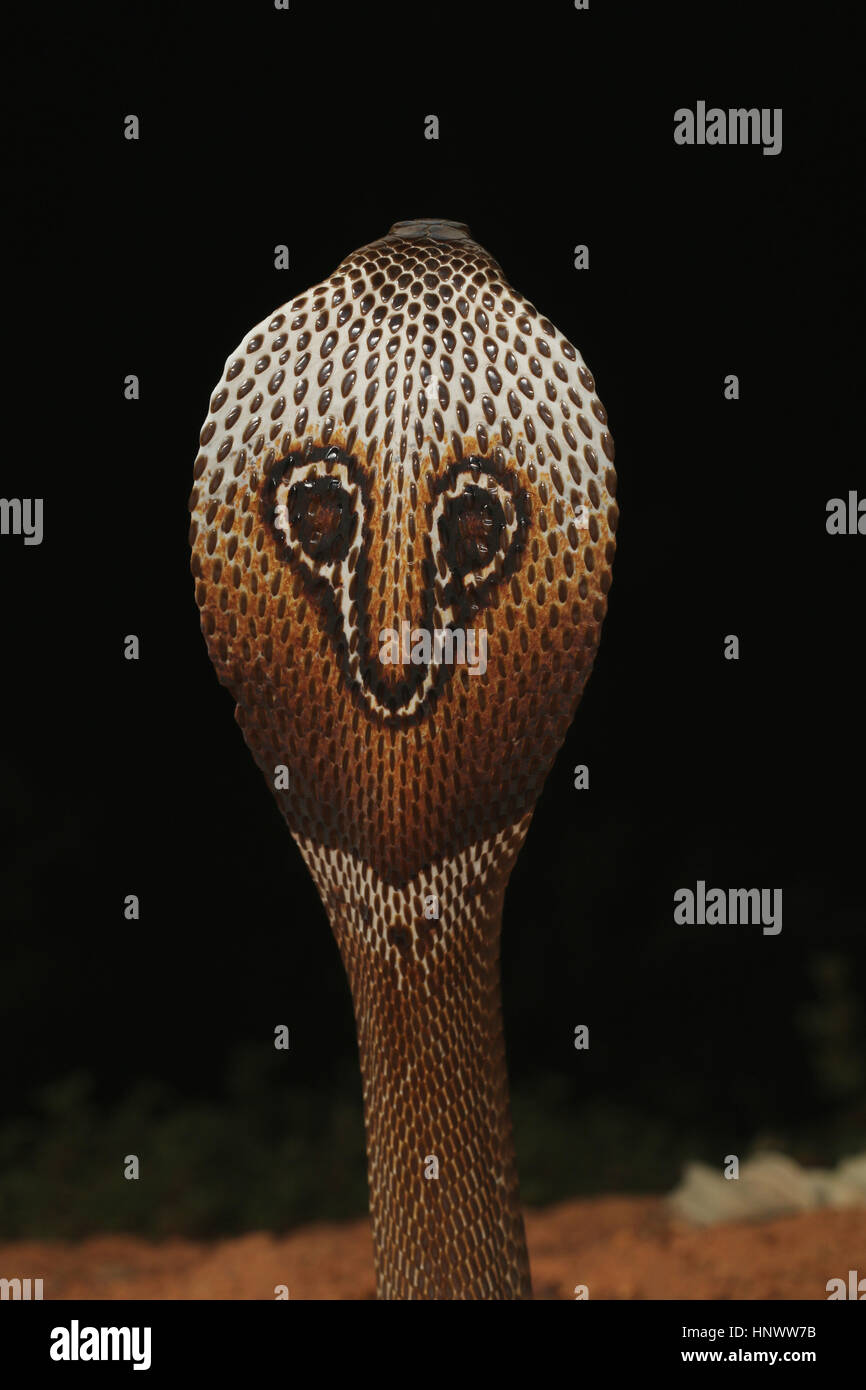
(410, 442)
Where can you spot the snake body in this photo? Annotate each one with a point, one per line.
(411, 443)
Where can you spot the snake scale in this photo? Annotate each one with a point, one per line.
(411, 446)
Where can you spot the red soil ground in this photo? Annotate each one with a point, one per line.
(620, 1247)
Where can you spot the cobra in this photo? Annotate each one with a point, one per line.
(411, 442)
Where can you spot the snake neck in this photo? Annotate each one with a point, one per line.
(422, 961)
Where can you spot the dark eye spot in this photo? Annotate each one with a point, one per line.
(471, 530)
(322, 518)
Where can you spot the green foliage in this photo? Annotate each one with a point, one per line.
(833, 1023)
(568, 1149)
(267, 1155)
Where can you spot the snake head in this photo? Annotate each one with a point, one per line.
(403, 526)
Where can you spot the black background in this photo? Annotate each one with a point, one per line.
(156, 257)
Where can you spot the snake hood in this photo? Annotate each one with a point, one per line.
(405, 464)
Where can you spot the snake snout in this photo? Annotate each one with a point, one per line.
(436, 228)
